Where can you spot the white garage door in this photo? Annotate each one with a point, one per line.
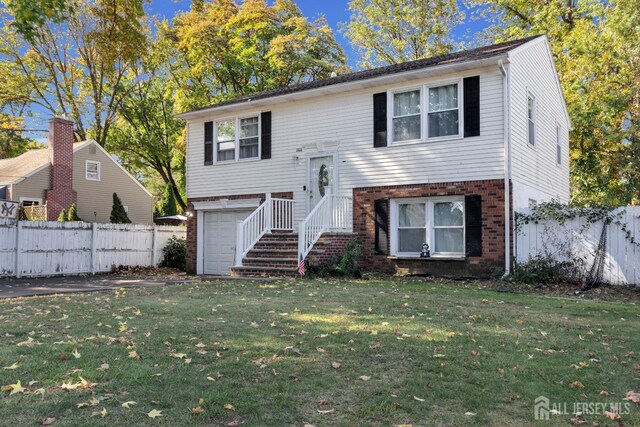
(220, 240)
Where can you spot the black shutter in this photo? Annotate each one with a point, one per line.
(473, 225)
(380, 119)
(471, 94)
(265, 137)
(382, 226)
(208, 143)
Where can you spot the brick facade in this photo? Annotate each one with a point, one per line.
(61, 194)
(329, 246)
(493, 233)
(192, 221)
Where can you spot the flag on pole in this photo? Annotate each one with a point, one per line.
(301, 266)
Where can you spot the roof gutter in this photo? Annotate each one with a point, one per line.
(503, 66)
(341, 87)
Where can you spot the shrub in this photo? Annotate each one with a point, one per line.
(175, 254)
(118, 214)
(344, 265)
(72, 215)
(167, 205)
(63, 215)
(544, 270)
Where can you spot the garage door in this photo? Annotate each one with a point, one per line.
(220, 240)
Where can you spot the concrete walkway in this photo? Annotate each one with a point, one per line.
(24, 287)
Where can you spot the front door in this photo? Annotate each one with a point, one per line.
(320, 177)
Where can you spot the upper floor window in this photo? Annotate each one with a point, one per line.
(237, 139)
(531, 118)
(442, 117)
(92, 171)
(558, 144)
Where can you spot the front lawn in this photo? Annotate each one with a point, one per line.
(325, 353)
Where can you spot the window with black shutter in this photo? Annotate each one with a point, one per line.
(473, 225)
(471, 95)
(382, 227)
(208, 143)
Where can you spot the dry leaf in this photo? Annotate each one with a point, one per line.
(103, 367)
(134, 355)
(197, 410)
(229, 406)
(154, 414)
(328, 411)
(102, 413)
(578, 422)
(75, 353)
(576, 384)
(633, 396)
(178, 355)
(612, 415)
(364, 378)
(470, 414)
(16, 388)
(12, 367)
(418, 399)
(48, 421)
(128, 404)
(335, 365)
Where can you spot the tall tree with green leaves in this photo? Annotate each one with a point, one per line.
(597, 53)
(76, 67)
(222, 50)
(393, 31)
(33, 14)
(167, 204)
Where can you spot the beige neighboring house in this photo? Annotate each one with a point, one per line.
(66, 172)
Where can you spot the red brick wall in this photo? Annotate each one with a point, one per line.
(328, 247)
(493, 248)
(192, 222)
(60, 195)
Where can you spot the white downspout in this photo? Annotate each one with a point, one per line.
(507, 164)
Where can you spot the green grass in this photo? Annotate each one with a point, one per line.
(434, 352)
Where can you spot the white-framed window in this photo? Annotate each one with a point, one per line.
(437, 221)
(237, 139)
(531, 119)
(558, 145)
(428, 112)
(30, 201)
(92, 170)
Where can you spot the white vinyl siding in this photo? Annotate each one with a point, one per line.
(535, 173)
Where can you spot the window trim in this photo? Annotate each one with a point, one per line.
(534, 113)
(424, 112)
(558, 145)
(429, 226)
(31, 199)
(236, 157)
(86, 170)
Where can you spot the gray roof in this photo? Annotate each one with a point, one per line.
(484, 52)
(16, 168)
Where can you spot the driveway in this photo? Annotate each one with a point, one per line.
(24, 287)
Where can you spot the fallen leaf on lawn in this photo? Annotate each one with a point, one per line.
(79, 385)
(418, 399)
(404, 425)
(633, 396)
(229, 406)
(319, 349)
(75, 353)
(201, 345)
(32, 383)
(328, 411)
(578, 422)
(12, 367)
(128, 404)
(154, 414)
(335, 365)
(48, 421)
(30, 342)
(187, 361)
(612, 415)
(309, 425)
(197, 410)
(604, 393)
(39, 391)
(178, 355)
(102, 413)
(470, 414)
(103, 367)
(134, 355)
(16, 388)
(576, 384)
(364, 378)
(439, 356)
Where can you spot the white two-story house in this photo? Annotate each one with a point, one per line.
(429, 157)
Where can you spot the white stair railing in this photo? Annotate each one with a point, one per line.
(332, 213)
(273, 214)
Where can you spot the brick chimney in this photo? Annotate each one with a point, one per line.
(60, 195)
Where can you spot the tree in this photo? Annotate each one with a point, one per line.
(222, 50)
(118, 214)
(76, 67)
(32, 14)
(167, 205)
(393, 31)
(596, 49)
(12, 142)
(63, 215)
(72, 215)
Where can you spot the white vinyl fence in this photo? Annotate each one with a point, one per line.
(39, 248)
(580, 239)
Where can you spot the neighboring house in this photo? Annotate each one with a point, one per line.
(65, 173)
(438, 151)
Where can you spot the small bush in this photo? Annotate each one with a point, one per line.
(544, 270)
(72, 215)
(63, 215)
(175, 254)
(118, 214)
(344, 265)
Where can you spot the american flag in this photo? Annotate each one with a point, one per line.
(301, 266)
